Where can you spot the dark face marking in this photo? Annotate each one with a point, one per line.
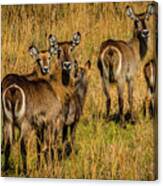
(140, 27)
(141, 30)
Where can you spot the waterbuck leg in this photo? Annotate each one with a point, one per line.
(144, 108)
(73, 130)
(7, 154)
(108, 104)
(108, 100)
(130, 100)
(120, 90)
(23, 149)
(7, 144)
(25, 129)
(151, 108)
(48, 145)
(64, 135)
(56, 142)
(39, 141)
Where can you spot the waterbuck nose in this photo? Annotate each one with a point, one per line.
(45, 70)
(145, 32)
(67, 65)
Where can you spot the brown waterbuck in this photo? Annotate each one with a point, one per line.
(118, 60)
(41, 69)
(150, 77)
(69, 68)
(76, 103)
(29, 105)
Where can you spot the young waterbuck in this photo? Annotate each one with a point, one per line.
(69, 75)
(76, 103)
(150, 77)
(118, 60)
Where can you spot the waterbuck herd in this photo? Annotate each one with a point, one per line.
(51, 98)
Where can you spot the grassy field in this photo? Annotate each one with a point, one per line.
(103, 149)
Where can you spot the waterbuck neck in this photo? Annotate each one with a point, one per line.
(65, 78)
(143, 44)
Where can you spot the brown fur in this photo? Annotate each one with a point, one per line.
(150, 77)
(76, 103)
(118, 62)
(45, 97)
(43, 109)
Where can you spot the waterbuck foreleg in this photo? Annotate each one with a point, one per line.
(130, 100)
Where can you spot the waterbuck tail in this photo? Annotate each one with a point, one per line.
(13, 101)
(110, 56)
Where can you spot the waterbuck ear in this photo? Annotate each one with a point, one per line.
(76, 39)
(34, 52)
(130, 13)
(150, 11)
(53, 44)
(88, 64)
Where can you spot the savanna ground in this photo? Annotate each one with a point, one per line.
(104, 150)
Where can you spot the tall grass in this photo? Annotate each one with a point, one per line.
(104, 151)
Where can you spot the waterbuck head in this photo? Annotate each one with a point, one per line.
(81, 82)
(63, 50)
(43, 58)
(82, 74)
(140, 26)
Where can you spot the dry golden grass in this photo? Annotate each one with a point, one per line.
(104, 150)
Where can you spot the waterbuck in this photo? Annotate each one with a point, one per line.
(118, 60)
(29, 105)
(76, 102)
(40, 70)
(150, 77)
(69, 74)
